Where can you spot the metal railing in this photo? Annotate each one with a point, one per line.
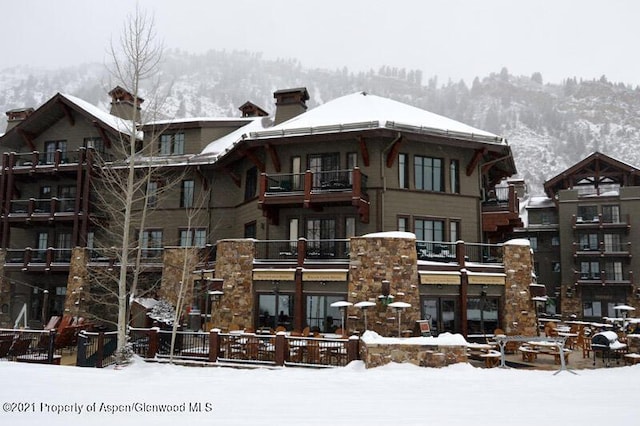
(287, 250)
(96, 349)
(32, 346)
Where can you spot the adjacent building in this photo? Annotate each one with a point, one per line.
(263, 221)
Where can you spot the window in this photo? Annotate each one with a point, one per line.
(324, 168)
(250, 230)
(63, 247)
(50, 148)
(454, 231)
(612, 243)
(66, 198)
(152, 194)
(96, 144)
(555, 266)
(428, 173)
(589, 241)
(555, 240)
(534, 243)
(587, 214)
(611, 214)
(429, 230)
(186, 193)
(349, 227)
(151, 243)
(613, 271)
(321, 316)
(589, 270)
(592, 309)
(403, 224)
(251, 183)
(196, 237)
(403, 170)
(352, 163)
(321, 234)
(296, 164)
(454, 175)
(172, 144)
(275, 310)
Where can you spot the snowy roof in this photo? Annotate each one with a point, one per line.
(116, 123)
(196, 120)
(225, 143)
(391, 234)
(360, 111)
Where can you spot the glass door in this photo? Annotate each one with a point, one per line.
(442, 312)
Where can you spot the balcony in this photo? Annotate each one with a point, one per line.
(313, 190)
(44, 161)
(289, 251)
(601, 222)
(48, 209)
(501, 212)
(603, 278)
(439, 251)
(151, 258)
(602, 250)
(29, 259)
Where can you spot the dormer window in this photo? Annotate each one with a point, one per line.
(172, 144)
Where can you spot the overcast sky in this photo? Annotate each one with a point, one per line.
(453, 39)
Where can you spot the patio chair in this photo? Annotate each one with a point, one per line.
(19, 347)
(5, 345)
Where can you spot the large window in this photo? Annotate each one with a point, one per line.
(403, 223)
(613, 271)
(482, 314)
(275, 310)
(611, 214)
(186, 193)
(589, 270)
(612, 243)
(403, 170)
(172, 144)
(587, 214)
(250, 230)
(454, 176)
(321, 234)
(195, 237)
(96, 144)
(50, 148)
(589, 242)
(151, 243)
(251, 183)
(429, 230)
(324, 168)
(429, 173)
(321, 316)
(152, 193)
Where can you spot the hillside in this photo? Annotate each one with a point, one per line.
(550, 126)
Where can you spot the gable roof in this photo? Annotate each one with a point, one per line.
(596, 169)
(55, 109)
(362, 111)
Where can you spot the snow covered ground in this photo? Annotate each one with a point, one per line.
(390, 395)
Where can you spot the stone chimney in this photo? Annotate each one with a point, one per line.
(15, 116)
(250, 109)
(290, 103)
(520, 187)
(122, 104)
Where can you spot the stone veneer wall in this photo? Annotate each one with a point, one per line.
(234, 265)
(5, 295)
(374, 259)
(173, 265)
(77, 283)
(519, 309)
(375, 355)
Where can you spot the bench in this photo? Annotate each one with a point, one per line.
(491, 358)
(631, 359)
(528, 354)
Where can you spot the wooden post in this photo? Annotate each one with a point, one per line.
(81, 355)
(51, 348)
(280, 348)
(214, 344)
(100, 350)
(353, 349)
(152, 350)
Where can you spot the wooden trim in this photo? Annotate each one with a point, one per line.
(395, 149)
(275, 159)
(67, 113)
(364, 151)
(475, 160)
(28, 138)
(253, 158)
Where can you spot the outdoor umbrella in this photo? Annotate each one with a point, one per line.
(342, 304)
(399, 306)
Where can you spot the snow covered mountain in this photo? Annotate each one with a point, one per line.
(550, 126)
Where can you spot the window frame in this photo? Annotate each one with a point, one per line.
(428, 173)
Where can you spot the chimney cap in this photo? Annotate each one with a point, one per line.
(19, 113)
(119, 94)
(300, 90)
(249, 109)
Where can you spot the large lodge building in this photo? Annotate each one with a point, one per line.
(273, 219)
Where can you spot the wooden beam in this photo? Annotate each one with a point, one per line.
(103, 134)
(254, 159)
(364, 151)
(234, 176)
(203, 179)
(28, 138)
(274, 157)
(394, 150)
(475, 160)
(67, 113)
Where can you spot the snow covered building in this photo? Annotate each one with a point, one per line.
(582, 234)
(362, 198)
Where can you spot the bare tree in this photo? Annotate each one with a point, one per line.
(136, 58)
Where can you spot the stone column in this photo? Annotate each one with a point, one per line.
(234, 265)
(77, 284)
(382, 257)
(178, 264)
(519, 309)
